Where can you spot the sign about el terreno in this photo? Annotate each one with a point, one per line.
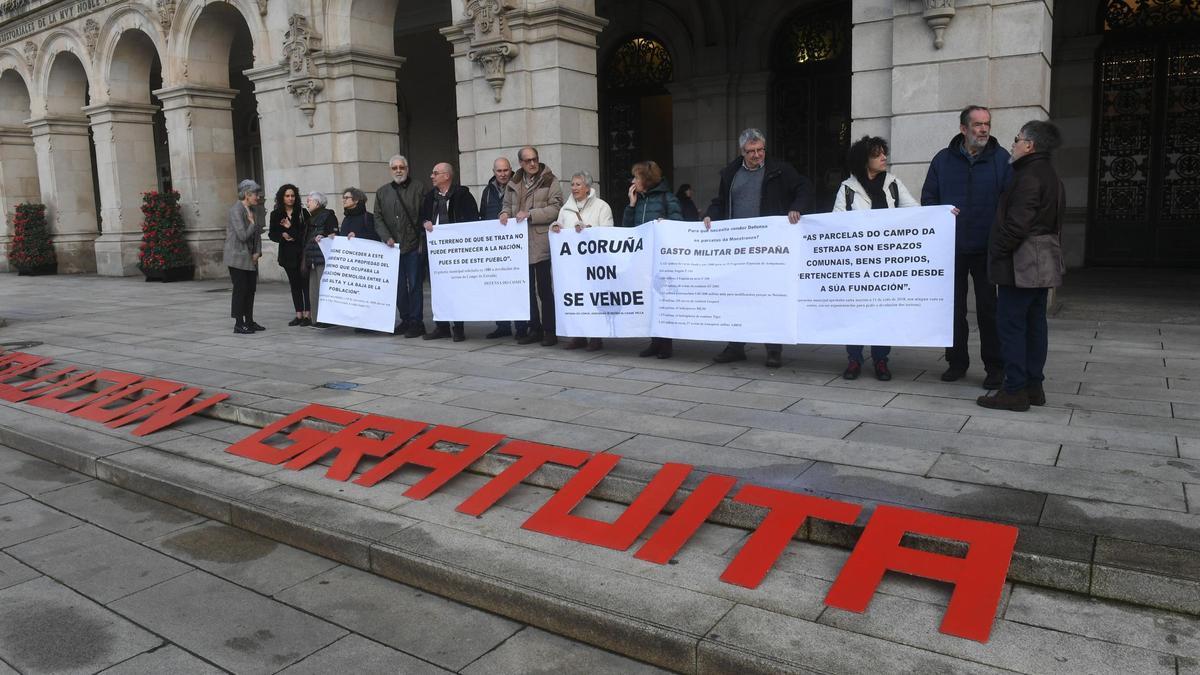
(117, 399)
(871, 277)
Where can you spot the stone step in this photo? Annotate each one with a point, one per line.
(678, 616)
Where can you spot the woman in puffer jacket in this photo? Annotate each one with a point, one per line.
(582, 210)
(650, 198)
(870, 186)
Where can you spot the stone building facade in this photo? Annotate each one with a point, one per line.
(101, 100)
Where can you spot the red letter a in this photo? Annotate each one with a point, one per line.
(978, 578)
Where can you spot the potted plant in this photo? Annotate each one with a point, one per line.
(164, 254)
(31, 251)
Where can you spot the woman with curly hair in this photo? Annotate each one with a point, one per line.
(289, 228)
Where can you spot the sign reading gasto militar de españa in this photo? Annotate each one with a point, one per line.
(117, 399)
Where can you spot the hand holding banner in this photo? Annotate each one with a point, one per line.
(358, 287)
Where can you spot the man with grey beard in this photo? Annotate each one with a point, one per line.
(969, 175)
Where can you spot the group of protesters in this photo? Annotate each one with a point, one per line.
(1008, 209)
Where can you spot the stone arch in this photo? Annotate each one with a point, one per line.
(680, 34)
(10, 60)
(752, 49)
(365, 25)
(57, 81)
(14, 93)
(199, 41)
(121, 54)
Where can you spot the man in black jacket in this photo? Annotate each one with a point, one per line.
(753, 186)
(396, 207)
(447, 202)
(1025, 261)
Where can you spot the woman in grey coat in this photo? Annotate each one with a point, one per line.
(243, 247)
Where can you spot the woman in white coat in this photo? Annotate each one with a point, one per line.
(582, 210)
(870, 186)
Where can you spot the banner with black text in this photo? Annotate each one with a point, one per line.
(479, 271)
(358, 287)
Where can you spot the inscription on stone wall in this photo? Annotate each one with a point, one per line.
(55, 16)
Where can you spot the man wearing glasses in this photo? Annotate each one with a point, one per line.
(447, 202)
(534, 197)
(969, 175)
(1025, 261)
(490, 203)
(396, 206)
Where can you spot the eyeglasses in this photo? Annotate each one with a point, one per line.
(527, 160)
(437, 173)
(345, 197)
(1018, 139)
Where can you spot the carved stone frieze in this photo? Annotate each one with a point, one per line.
(166, 14)
(91, 34)
(489, 38)
(300, 42)
(494, 59)
(31, 49)
(306, 92)
(938, 14)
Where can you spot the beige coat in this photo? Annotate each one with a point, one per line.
(541, 201)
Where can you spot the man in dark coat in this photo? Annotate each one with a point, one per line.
(1025, 261)
(969, 175)
(396, 206)
(753, 186)
(447, 202)
(491, 202)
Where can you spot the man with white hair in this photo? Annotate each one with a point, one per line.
(397, 204)
(754, 186)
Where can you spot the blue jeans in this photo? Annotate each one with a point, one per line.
(410, 300)
(855, 352)
(1024, 336)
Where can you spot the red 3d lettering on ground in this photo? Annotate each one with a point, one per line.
(117, 399)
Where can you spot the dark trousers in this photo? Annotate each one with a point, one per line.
(1024, 336)
(299, 285)
(974, 265)
(741, 346)
(541, 287)
(445, 325)
(244, 284)
(855, 352)
(410, 300)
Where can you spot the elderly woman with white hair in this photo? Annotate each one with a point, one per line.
(583, 209)
(322, 223)
(243, 248)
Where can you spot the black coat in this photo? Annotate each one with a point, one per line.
(783, 190)
(460, 208)
(290, 252)
(491, 201)
(974, 187)
(324, 222)
(1029, 219)
(359, 221)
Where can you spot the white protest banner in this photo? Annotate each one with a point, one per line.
(602, 280)
(736, 281)
(479, 271)
(358, 287)
(878, 277)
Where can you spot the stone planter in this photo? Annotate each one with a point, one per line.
(38, 270)
(173, 274)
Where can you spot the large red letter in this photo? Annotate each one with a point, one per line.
(530, 457)
(978, 578)
(98, 410)
(166, 412)
(682, 524)
(54, 399)
(302, 438)
(42, 384)
(787, 513)
(353, 446)
(445, 465)
(555, 517)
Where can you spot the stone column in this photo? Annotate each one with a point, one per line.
(124, 138)
(910, 88)
(526, 75)
(203, 169)
(65, 172)
(18, 181)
